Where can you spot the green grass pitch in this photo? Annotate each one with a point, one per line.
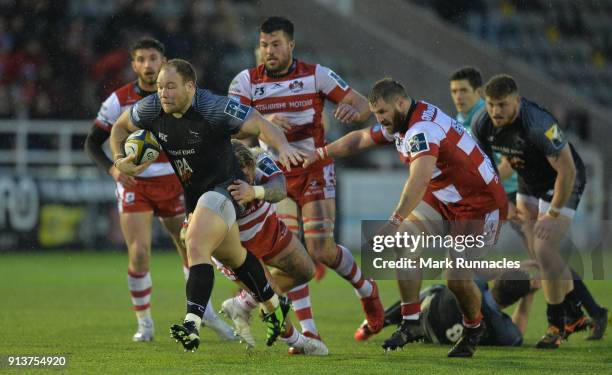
(78, 304)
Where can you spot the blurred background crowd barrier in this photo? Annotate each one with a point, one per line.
(60, 59)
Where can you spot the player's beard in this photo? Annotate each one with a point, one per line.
(148, 79)
(399, 121)
(282, 65)
(507, 120)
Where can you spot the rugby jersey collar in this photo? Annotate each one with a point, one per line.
(291, 70)
(409, 115)
(140, 91)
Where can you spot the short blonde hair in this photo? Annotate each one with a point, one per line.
(246, 158)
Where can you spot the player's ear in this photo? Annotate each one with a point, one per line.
(292, 44)
(479, 91)
(401, 104)
(190, 86)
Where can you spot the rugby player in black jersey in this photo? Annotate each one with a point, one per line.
(194, 127)
(551, 181)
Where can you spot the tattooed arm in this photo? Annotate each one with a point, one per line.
(272, 190)
(275, 190)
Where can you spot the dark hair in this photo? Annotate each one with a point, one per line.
(511, 286)
(146, 43)
(469, 73)
(500, 86)
(386, 89)
(274, 23)
(184, 68)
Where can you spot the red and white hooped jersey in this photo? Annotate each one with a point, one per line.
(258, 222)
(298, 96)
(464, 177)
(120, 100)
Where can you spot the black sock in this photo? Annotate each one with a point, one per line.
(556, 315)
(393, 314)
(586, 298)
(573, 305)
(252, 274)
(199, 287)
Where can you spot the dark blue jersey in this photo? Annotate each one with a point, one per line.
(527, 142)
(198, 143)
(442, 322)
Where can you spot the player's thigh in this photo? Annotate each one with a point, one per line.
(527, 210)
(557, 235)
(294, 261)
(173, 225)
(230, 251)
(422, 221)
(136, 228)
(425, 219)
(287, 210)
(206, 231)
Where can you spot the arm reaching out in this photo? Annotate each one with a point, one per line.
(352, 143)
(257, 125)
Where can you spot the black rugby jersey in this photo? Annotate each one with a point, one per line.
(527, 142)
(197, 144)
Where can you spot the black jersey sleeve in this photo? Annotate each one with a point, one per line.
(543, 130)
(226, 115)
(145, 111)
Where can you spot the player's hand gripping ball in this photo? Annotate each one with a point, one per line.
(143, 145)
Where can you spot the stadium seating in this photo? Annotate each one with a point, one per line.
(569, 41)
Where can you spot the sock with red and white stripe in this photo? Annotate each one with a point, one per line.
(346, 267)
(474, 323)
(410, 311)
(300, 299)
(292, 337)
(290, 221)
(246, 301)
(140, 286)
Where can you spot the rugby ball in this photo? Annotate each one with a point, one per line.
(143, 145)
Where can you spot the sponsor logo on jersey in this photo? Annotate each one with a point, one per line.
(163, 136)
(184, 170)
(341, 83)
(296, 86)
(236, 110)
(194, 138)
(554, 135)
(417, 144)
(458, 127)
(267, 166)
(429, 113)
(260, 91)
